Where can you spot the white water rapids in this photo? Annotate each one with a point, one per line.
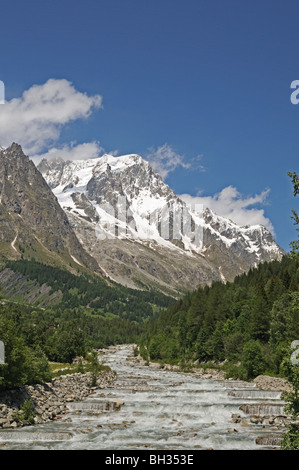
(161, 410)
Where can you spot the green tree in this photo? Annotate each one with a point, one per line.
(217, 345)
(252, 359)
(26, 414)
(233, 345)
(69, 342)
(95, 367)
(24, 365)
(290, 439)
(38, 367)
(260, 314)
(295, 180)
(284, 324)
(155, 345)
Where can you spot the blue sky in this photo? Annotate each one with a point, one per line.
(201, 87)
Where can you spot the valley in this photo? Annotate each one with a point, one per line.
(101, 254)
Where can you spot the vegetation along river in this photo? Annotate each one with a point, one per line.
(158, 409)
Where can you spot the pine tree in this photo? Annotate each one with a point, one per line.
(295, 217)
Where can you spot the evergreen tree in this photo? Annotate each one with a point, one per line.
(252, 359)
(291, 438)
(295, 217)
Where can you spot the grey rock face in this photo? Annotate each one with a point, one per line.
(32, 223)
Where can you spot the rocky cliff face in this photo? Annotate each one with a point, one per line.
(32, 222)
(142, 234)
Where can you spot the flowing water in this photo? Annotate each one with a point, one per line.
(161, 410)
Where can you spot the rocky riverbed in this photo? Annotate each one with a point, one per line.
(155, 406)
(261, 412)
(49, 400)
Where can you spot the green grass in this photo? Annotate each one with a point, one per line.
(59, 368)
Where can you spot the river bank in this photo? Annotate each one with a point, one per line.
(49, 401)
(263, 382)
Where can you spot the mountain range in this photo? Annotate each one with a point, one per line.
(142, 235)
(116, 217)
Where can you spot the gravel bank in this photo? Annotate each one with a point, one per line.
(50, 399)
(265, 382)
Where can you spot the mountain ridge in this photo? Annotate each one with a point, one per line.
(142, 234)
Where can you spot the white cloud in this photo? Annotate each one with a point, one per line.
(233, 205)
(165, 160)
(35, 119)
(72, 152)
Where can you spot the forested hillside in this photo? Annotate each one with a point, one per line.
(248, 323)
(246, 326)
(32, 337)
(89, 313)
(94, 293)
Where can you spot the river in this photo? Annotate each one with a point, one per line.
(161, 410)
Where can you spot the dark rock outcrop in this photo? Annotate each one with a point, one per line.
(32, 223)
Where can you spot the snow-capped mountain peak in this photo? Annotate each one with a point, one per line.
(124, 199)
(126, 186)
